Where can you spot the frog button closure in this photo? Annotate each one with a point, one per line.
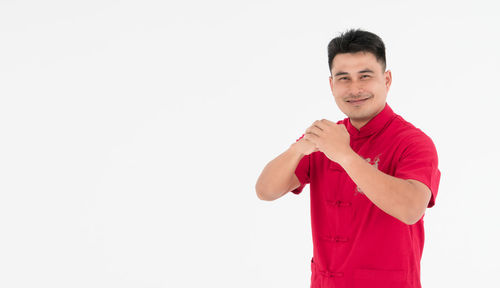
(339, 203)
(343, 203)
(336, 239)
(325, 273)
(341, 239)
(332, 274)
(336, 274)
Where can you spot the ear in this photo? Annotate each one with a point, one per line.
(331, 83)
(388, 79)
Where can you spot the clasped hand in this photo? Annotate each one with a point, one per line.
(330, 138)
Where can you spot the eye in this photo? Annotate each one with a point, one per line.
(343, 78)
(365, 76)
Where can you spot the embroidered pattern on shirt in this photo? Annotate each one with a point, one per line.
(374, 163)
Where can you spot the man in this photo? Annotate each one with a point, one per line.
(371, 175)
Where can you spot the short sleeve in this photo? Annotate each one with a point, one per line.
(419, 161)
(302, 171)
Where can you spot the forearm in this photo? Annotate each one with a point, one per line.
(393, 195)
(276, 176)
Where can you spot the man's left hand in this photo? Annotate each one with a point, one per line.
(330, 138)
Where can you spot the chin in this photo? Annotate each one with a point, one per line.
(361, 115)
(360, 118)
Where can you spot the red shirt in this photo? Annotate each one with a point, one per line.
(356, 244)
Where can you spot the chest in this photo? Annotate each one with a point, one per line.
(333, 182)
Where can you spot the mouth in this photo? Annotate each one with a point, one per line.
(358, 101)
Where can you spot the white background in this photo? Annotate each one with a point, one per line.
(132, 134)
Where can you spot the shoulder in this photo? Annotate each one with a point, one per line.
(411, 139)
(407, 132)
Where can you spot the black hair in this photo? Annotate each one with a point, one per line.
(357, 40)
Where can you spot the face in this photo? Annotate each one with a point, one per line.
(359, 86)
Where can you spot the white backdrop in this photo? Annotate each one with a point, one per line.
(132, 134)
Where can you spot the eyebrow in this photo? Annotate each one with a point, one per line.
(345, 73)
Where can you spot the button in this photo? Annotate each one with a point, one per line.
(339, 203)
(341, 239)
(336, 274)
(343, 203)
(331, 274)
(325, 273)
(336, 238)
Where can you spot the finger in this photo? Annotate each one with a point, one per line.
(311, 137)
(312, 143)
(314, 130)
(320, 125)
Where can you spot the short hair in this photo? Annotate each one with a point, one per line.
(357, 40)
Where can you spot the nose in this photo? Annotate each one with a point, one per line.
(357, 89)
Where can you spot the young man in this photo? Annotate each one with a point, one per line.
(371, 176)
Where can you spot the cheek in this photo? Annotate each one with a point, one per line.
(376, 88)
(381, 89)
(338, 96)
(339, 91)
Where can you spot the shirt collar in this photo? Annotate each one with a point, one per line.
(374, 125)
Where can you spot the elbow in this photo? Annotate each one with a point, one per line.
(421, 196)
(264, 197)
(261, 194)
(409, 221)
(259, 191)
(412, 218)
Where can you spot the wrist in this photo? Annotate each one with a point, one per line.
(348, 158)
(295, 149)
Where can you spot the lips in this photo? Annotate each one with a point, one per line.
(357, 101)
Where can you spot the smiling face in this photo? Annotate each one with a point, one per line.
(359, 86)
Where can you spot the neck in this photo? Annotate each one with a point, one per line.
(358, 124)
